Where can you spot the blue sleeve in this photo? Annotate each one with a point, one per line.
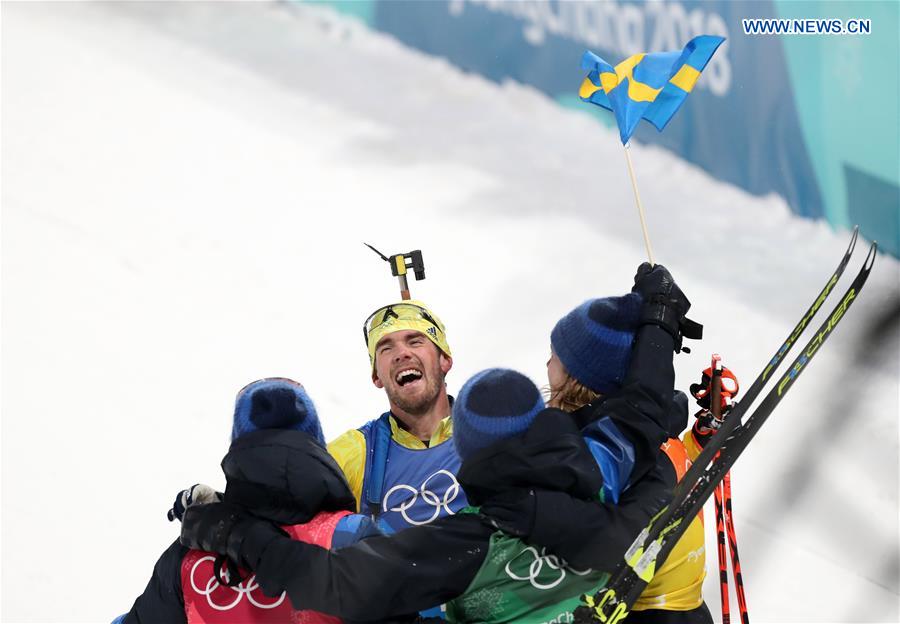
(119, 620)
(352, 528)
(613, 453)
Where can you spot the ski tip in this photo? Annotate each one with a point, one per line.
(870, 259)
(853, 238)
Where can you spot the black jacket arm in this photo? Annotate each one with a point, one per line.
(380, 577)
(162, 600)
(596, 535)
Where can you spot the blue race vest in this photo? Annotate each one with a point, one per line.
(405, 487)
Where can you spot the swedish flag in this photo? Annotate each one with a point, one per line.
(646, 86)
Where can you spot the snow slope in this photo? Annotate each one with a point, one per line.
(185, 193)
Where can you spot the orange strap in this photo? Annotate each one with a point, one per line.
(674, 448)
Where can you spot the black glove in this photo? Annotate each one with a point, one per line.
(197, 494)
(228, 529)
(664, 303)
(512, 511)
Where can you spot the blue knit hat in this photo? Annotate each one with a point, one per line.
(275, 403)
(593, 341)
(493, 405)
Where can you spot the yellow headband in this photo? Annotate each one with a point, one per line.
(402, 315)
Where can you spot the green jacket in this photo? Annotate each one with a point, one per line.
(518, 582)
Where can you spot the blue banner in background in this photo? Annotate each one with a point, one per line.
(813, 118)
(730, 125)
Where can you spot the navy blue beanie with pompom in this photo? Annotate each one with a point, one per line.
(275, 403)
(593, 341)
(493, 405)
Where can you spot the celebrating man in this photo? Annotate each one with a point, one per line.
(400, 466)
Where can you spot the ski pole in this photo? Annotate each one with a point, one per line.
(715, 393)
(400, 263)
(720, 550)
(715, 407)
(725, 532)
(732, 546)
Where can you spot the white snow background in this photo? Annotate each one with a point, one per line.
(185, 193)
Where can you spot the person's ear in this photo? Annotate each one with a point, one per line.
(446, 362)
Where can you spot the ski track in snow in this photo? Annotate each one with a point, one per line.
(185, 192)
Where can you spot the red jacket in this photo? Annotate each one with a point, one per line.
(207, 601)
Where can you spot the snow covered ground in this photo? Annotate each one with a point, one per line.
(185, 193)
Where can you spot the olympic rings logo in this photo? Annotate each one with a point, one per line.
(428, 496)
(244, 588)
(536, 566)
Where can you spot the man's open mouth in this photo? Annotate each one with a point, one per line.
(407, 375)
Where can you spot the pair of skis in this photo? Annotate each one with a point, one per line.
(649, 551)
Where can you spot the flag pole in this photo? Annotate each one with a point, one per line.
(640, 206)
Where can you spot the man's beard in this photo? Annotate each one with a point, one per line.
(423, 401)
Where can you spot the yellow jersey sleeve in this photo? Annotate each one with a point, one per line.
(349, 451)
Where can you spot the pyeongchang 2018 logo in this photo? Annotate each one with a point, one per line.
(619, 29)
(224, 598)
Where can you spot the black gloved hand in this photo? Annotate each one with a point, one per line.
(664, 303)
(229, 530)
(197, 494)
(512, 511)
